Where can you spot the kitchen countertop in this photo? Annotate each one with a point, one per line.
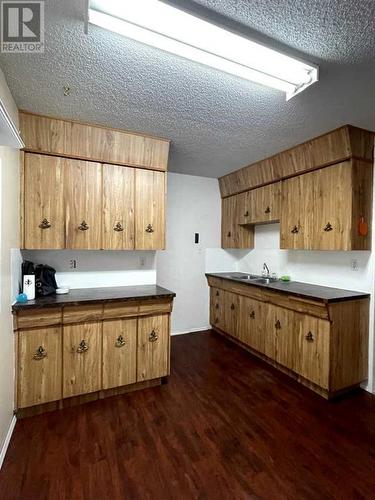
(105, 294)
(316, 292)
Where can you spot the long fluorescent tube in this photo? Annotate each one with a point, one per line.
(167, 28)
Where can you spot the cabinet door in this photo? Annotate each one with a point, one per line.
(333, 206)
(233, 235)
(252, 323)
(82, 354)
(217, 308)
(83, 201)
(153, 347)
(265, 204)
(281, 336)
(243, 208)
(150, 210)
(313, 349)
(297, 209)
(43, 202)
(118, 207)
(39, 366)
(119, 352)
(231, 313)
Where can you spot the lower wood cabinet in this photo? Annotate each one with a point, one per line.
(39, 366)
(153, 347)
(119, 352)
(94, 348)
(82, 349)
(322, 345)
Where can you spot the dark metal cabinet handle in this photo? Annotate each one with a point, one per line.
(45, 224)
(120, 341)
(118, 227)
(149, 229)
(217, 306)
(83, 226)
(278, 325)
(229, 234)
(40, 353)
(232, 307)
(217, 293)
(267, 210)
(309, 337)
(246, 214)
(328, 227)
(153, 336)
(83, 347)
(252, 315)
(295, 230)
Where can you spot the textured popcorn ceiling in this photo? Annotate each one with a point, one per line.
(217, 122)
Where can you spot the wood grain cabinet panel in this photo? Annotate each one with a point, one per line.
(231, 313)
(83, 192)
(252, 323)
(39, 366)
(217, 307)
(234, 235)
(82, 358)
(298, 212)
(265, 204)
(118, 207)
(153, 347)
(313, 349)
(43, 202)
(244, 207)
(119, 352)
(280, 336)
(333, 208)
(150, 191)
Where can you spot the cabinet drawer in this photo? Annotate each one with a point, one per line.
(307, 306)
(120, 309)
(77, 314)
(155, 307)
(39, 366)
(39, 317)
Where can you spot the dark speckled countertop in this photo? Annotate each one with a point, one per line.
(315, 292)
(105, 294)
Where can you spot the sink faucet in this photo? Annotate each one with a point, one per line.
(266, 271)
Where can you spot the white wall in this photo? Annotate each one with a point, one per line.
(9, 224)
(193, 206)
(95, 268)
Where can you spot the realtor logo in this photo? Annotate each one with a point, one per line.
(22, 27)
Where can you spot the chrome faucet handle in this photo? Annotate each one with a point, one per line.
(266, 270)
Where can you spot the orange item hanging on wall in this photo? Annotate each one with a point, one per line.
(362, 227)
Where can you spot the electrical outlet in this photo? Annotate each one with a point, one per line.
(142, 262)
(73, 264)
(354, 264)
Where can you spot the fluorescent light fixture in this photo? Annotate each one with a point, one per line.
(167, 28)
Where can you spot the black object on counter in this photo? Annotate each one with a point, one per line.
(45, 282)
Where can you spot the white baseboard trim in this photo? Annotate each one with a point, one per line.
(192, 330)
(7, 440)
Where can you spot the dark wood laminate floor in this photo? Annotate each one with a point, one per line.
(226, 426)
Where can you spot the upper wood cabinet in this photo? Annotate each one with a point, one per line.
(265, 204)
(44, 217)
(322, 210)
(43, 134)
(83, 198)
(232, 234)
(86, 205)
(150, 191)
(118, 207)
